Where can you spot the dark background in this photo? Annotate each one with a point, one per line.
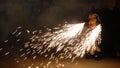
(33, 14)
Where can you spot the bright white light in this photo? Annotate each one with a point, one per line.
(74, 30)
(66, 36)
(68, 40)
(89, 42)
(29, 66)
(37, 67)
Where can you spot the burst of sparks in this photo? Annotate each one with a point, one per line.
(89, 42)
(67, 41)
(61, 37)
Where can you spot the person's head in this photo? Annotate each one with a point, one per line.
(93, 17)
(93, 20)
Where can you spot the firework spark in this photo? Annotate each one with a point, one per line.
(69, 39)
(89, 42)
(66, 35)
(62, 42)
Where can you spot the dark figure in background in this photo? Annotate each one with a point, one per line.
(93, 21)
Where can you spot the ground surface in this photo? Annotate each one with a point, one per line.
(80, 63)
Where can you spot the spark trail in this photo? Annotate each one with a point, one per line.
(62, 42)
(89, 42)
